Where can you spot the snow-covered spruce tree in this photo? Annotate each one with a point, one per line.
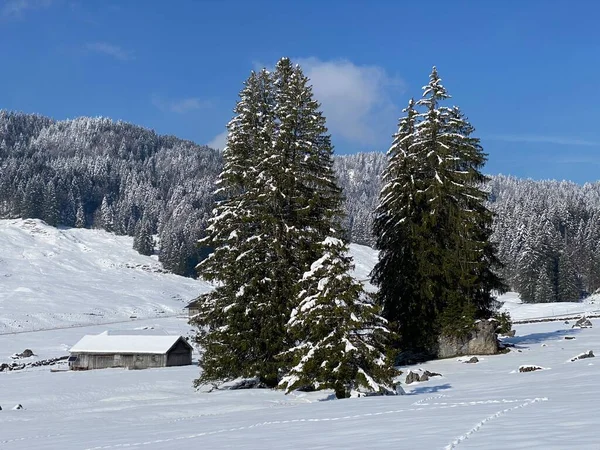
(240, 327)
(340, 336)
(300, 188)
(396, 227)
(432, 226)
(142, 239)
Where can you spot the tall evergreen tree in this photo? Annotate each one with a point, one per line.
(50, 206)
(396, 227)
(142, 239)
(432, 226)
(568, 288)
(234, 323)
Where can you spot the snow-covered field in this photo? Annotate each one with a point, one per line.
(57, 277)
(527, 311)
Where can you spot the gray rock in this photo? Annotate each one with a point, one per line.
(584, 322)
(529, 368)
(588, 354)
(481, 341)
(26, 353)
(431, 374)
(412, 377)
(244, 383)
(473, 360)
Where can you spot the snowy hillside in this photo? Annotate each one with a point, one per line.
(53, 277)
(69, 277)
(520, 311)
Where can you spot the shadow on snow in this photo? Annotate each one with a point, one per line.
(536, 338)
(429, 389)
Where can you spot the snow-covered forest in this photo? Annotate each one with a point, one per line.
(96, 172)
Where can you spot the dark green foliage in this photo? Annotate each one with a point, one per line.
(340, 336)
(142, 240)
(504, 322)
(241, 325)
(435, 272)
(278, 199)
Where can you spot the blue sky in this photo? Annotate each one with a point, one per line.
(524, 72)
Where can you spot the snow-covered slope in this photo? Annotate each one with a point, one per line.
(520, 311)
(53, 278)
(487, 405)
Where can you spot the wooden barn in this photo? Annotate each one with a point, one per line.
(133, 351)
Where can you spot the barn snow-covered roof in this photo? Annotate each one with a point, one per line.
(124, 343)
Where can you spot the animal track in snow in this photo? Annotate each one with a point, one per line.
(425, 401)
(329, 419)
(478, 426)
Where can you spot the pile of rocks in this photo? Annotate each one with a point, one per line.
(9, 367)
(584, 322)
(530, 368)
(27, 353)
(413, 377)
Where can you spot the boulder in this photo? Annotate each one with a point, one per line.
(26, 353)
(399, 390)
(243, 383)
(430, 374)
(482, 340)
(412, 377)
(584, 322)
(529, 368)
(588, 354)
(19, 406)
(473, 360)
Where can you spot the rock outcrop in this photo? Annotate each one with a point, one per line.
(584, 322)
(588, 354)
(482, 340)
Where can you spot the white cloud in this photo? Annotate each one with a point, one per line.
(179, 106)
(218, 141)
(15, 8)
(357, 100)
(558, 140)
(110, 50)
